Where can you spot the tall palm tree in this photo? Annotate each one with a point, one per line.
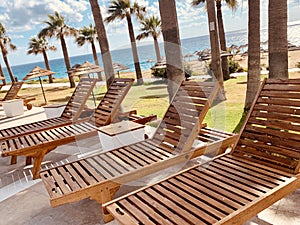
(172, 45)
(151, 26)
(5, 43)
(89, 34)
(215, 48)
(103, 42)
(278, 43)
(2, 75)
(233, 5)
(56, 26)
(253, 76)
(121, 9)
(40, 45)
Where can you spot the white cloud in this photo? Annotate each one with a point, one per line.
(17, 36)
(153, 9)
(142, 3)
(22, 15)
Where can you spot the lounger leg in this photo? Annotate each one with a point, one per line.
(28, 160)
(105, 195)
(37, 162)
(13, 160)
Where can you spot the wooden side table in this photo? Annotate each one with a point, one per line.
(120, 134)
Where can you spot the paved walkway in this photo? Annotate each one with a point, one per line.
(26, 202)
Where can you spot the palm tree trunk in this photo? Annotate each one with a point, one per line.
(95, 56)
(253, 76)
(12, 77)
(157, 52)
(103, 42)
(67, 60)
(5, 59)
(278, 43)
(47, 65)
(215, 47)
(225, 67)
(172, 45)
(136, 60)
(2, 75)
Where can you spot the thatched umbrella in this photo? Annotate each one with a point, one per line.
(119, 67)
(38, 72)
(85, 69)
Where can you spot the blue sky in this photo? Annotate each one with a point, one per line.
(23, 19)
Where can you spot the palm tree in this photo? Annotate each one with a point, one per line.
(151, 26)
(278, 43)
(56, 26)
(5, 43)
(40, 45)
(120, 9)
(103, 42)
(215, 48)
(89, 34)
(253, 76)
(2, 75)
(233, 5)
(172, 45)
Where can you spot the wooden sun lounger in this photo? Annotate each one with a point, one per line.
(37, 144)
(70, 114)
(234, 187)
(99, 177)
(12, 93)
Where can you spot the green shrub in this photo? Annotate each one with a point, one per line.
(161, 72)
(234, 67)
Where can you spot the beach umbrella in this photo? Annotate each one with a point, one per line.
(85, 69)
(189, 55)
(38, 72)
(119, 67)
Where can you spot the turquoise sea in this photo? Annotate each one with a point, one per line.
(147, 54)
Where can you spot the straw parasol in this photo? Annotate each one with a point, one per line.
(85, 69)
(38, 72)
(119, 67)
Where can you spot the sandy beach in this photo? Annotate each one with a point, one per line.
(294, 58)
(200, 67)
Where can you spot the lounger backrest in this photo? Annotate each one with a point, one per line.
(78, 99)
(111, 101)
(180, 125)
(271, 134)
(13, 91)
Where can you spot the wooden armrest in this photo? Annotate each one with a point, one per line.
(127, 114)
(203, 125)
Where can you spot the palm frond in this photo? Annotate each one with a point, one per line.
(197, 2)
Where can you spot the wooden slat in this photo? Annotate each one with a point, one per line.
(122, 162)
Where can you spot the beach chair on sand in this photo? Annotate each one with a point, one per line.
(234, 187)
(99, 177)
(71, 112)
(37, 144)
(12, 93)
